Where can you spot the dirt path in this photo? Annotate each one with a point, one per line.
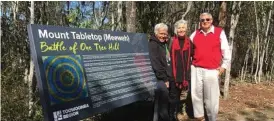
(248, 102)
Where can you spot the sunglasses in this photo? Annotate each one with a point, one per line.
(202, 20)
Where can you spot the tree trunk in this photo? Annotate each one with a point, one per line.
(100, 14)
(253, 53)
(131, 16)
(14, 9)
(227, 76)
(112, 17)
(267, 54)
(243, 72)
(44, 18)
(264, 43)
(2, 9)
(258, 57)
(271, 70)
(26, 75)
(120, 13)
(104, 13)
(47, 15)
(258, 44)
(234, 22)
(246, 63)
(222, 14)
(31, 69)
(189, 5)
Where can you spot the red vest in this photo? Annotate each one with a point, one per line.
(207, 49)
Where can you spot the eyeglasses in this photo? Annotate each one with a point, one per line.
(202, 20)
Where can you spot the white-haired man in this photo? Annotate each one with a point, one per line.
(159, 57)
(211, 58)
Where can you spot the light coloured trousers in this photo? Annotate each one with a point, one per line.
(205, 90)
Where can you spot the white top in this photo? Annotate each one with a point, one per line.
(224, 46)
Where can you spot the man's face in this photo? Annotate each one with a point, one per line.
(205, 21)
(181, 30)
(162, 34)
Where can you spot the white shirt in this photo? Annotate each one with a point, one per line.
(224, 46)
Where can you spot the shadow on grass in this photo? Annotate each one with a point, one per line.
(255, 115)
(251, 105)
(252, 113)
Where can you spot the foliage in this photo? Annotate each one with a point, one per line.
(15, 17)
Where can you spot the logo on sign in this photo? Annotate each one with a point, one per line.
(57, 115)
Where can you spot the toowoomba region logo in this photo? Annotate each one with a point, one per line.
(65, 78)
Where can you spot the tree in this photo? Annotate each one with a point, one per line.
(31, 69)
(189, 5)
(131, 16)
(222, 14)
(266, 24)
(234, 21)
(16, 62)
(100, 13)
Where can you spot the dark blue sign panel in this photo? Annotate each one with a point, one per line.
(81, 72)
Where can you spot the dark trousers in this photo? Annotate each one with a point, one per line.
(162, 101)
(175, 104)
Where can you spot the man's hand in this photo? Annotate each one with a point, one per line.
(221, 70)
(167, 84)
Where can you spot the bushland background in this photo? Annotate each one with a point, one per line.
(247, 86)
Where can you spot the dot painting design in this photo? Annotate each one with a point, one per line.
(65, 78)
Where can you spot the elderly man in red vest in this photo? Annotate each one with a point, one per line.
(211, 58)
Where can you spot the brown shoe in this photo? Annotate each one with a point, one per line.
(200, 119)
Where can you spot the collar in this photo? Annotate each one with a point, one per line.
(211, 29)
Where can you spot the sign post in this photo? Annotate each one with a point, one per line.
(82, 72)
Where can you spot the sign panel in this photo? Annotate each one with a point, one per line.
(81, 72)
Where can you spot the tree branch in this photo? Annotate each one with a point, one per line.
(189, 5)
